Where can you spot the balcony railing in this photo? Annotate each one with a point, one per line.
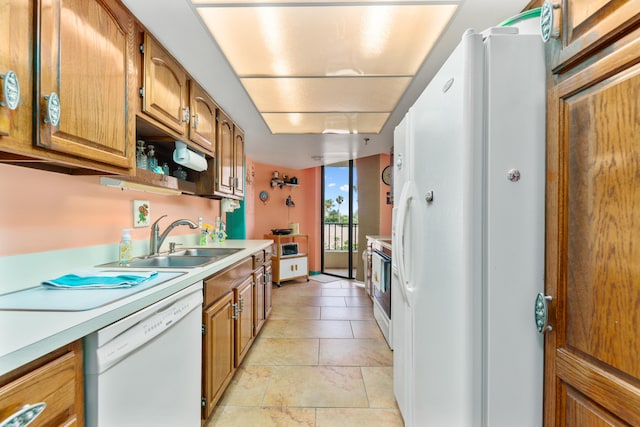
(336, 236)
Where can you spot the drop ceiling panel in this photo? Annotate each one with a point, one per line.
(327, 39)
(327, 123)
(337, 94)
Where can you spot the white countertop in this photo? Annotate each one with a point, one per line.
(384, 241)
(27, 335)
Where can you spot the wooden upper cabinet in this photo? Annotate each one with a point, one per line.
(224, 155)
(85, 56)
(202, 129)
(165, 94)
(238, 162)
(16, 53)
(585, 27)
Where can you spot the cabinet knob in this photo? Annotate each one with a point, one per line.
(186, 115)
(549, 26)
(196, 120)
(52, 109)
(10, 90)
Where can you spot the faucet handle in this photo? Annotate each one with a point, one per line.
(172, 246)
(155, 223)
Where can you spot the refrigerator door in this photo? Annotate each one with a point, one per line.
(446, 260)
(514, 246)
(400, 309)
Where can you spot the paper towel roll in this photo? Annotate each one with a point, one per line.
(295, 227)
(189, 159)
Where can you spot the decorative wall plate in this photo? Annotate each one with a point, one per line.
(264, 196)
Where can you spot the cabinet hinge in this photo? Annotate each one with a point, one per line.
(141, 47)
(141, 92)
(203, 402)
(204, 330)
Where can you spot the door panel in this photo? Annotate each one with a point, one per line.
(592, 363)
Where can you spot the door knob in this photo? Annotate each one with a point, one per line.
(542, 313)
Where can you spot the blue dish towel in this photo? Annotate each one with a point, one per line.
(97, 280)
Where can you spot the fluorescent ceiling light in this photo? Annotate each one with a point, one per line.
(346, 56)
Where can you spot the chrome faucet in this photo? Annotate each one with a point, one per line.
(156, 239)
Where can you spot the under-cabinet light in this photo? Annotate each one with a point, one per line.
(129, 185)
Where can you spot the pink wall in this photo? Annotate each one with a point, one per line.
(42, 211)
(262, 217)
(385, 209)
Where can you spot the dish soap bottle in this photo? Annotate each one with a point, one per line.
(125, 247)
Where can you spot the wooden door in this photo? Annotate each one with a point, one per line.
(165, 92)
(244, 324)
(238, 160)
(202, 129)
(224, 154)
(86, 52)
(217, 351)
(258, 300)
(16, 55)
(592, 354)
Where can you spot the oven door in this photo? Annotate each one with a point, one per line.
(381, 281)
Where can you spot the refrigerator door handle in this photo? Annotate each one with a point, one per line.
(405, 200)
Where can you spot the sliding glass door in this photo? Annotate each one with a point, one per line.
(340, 219)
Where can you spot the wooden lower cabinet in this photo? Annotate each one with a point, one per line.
(258, 295)
(218, 350)
(228, 320)
(268, 304)
(244, 324)
(56, 380)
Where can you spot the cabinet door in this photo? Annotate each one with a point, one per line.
(56, 380)
(293, 267)
(16, 52)
(202, 129)
(587, 26)
(592, 363)
(238, 158)
(83, 109)
(268, 279)
(258, 303)
(165, 91)
(244, 324)
(224, 154)
(218, 350)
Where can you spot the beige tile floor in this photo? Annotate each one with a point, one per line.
(320, 361)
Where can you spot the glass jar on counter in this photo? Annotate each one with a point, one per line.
(153, 162)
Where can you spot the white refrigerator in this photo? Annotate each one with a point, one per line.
(468, 238)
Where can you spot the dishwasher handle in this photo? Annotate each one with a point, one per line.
(142, 332)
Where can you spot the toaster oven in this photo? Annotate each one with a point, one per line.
(287, 249)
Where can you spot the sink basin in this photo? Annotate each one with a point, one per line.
(172, 261)
(205, 252)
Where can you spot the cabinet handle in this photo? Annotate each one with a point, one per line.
(236, 313)
(24, 416)
(196, 120)
(52, 109)
(185, 115)
(10, 90)
(241, 304)
(549, 28)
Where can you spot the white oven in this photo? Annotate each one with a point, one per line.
(381, 281)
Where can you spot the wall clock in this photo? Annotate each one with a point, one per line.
(386, 175)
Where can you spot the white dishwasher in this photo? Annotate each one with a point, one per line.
(145, 370)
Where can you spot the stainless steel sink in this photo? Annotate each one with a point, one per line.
(164, 261)
(205, 252)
